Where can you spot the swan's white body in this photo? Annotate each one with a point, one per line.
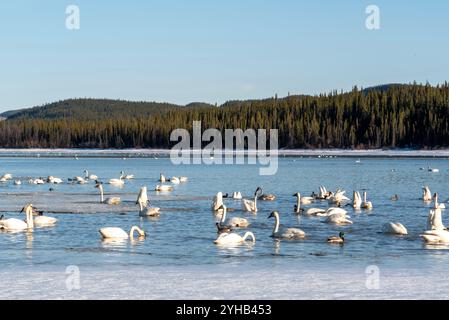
(54, 180)
(13, 224)
(175, 180)
(217, 202)
(90, 176)
(395, 228)
(183, 179)
(357, 200)
(146, 211)
(126, 176)
(338, 197)
(119, 233)
(433, 169)
(434, 220)
(44, 221)
(234, 238)
(6, 177)
(117, 182)
(237, 195)
(427, 195)
(162, 178)
(249, 205)
(436, 236)
(36, 181)
(286, 233)
(438, 205)
(17, 182)
(109, 200)
(339, 219)
(315, 211)
(143, 196)
(234, 222)
(366, 204)
(164, 187)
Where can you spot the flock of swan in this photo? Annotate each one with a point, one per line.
(336, 212)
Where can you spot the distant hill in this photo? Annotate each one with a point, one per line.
(96, 109)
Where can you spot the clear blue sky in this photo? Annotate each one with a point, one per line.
(212, 51)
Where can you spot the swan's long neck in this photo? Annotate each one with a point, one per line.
(223, 217)
(436, 201)
(276, 224)
(249, 235)
(134, 229)
(255, 203)
(29, 218)
(141, 206)
(364, 196)
(298, 204)
(101, 194)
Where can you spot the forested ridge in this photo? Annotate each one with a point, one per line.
(397, 116)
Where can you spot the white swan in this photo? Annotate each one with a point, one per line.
(249, 205)
(54, 180)
(143, 196)
(42, 221)
(434, 220)
(436, 236)
(304, 200)
(17, 182)
(288, 233)
(162, 178)
(13, 224)
(110, 200)
(433, 169)
(438, 205)
(117, 182)
(234, 222)
(183, 179)
(175, 180)
(119, 233)
(323, 193)
(237, 195)
(146, 211)
(366, 204)
(163, 187)
(36, 181)
(338, 197)
(427, 195)
(126, 176)
(217, 202)
(6, 176)
(395, 228)
(234, 238)
(338, 218)
(357, 200)
(90, 176)
(315, 212)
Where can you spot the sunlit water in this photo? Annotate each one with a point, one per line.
(183, 235)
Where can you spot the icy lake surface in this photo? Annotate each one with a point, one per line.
(179, 260)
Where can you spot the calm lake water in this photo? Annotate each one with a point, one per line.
(183, 235)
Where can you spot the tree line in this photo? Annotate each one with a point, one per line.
(399, 116)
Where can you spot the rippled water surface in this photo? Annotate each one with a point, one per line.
(183, 235)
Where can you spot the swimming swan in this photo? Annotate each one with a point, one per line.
(119, 233)
(235, 222)
(434, 220)
(126, 176)
(357, 200)
(163, 187)
(395, 228)
(143, 196)
(146, 211)
(217, 202)
(287, 233)
(427, 195)
(297, 206)
(234, 238)
(162, 178)
(110, 200)
(90, 176)
(237, 195)
(435, 236)
(367, 205)
(40, 220)
(117, 182)
(438, 205)
(249, 205)
(13, 224)
(338, 218)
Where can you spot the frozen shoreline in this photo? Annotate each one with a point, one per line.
(36, 152)
(200, 283)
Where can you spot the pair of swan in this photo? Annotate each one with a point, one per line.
(174, 180)
(285, 233)
(357, 202)
(119, 233)
(249, 205)
(143, 202)
(234, 222)
(109, 200)
(13, 224)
